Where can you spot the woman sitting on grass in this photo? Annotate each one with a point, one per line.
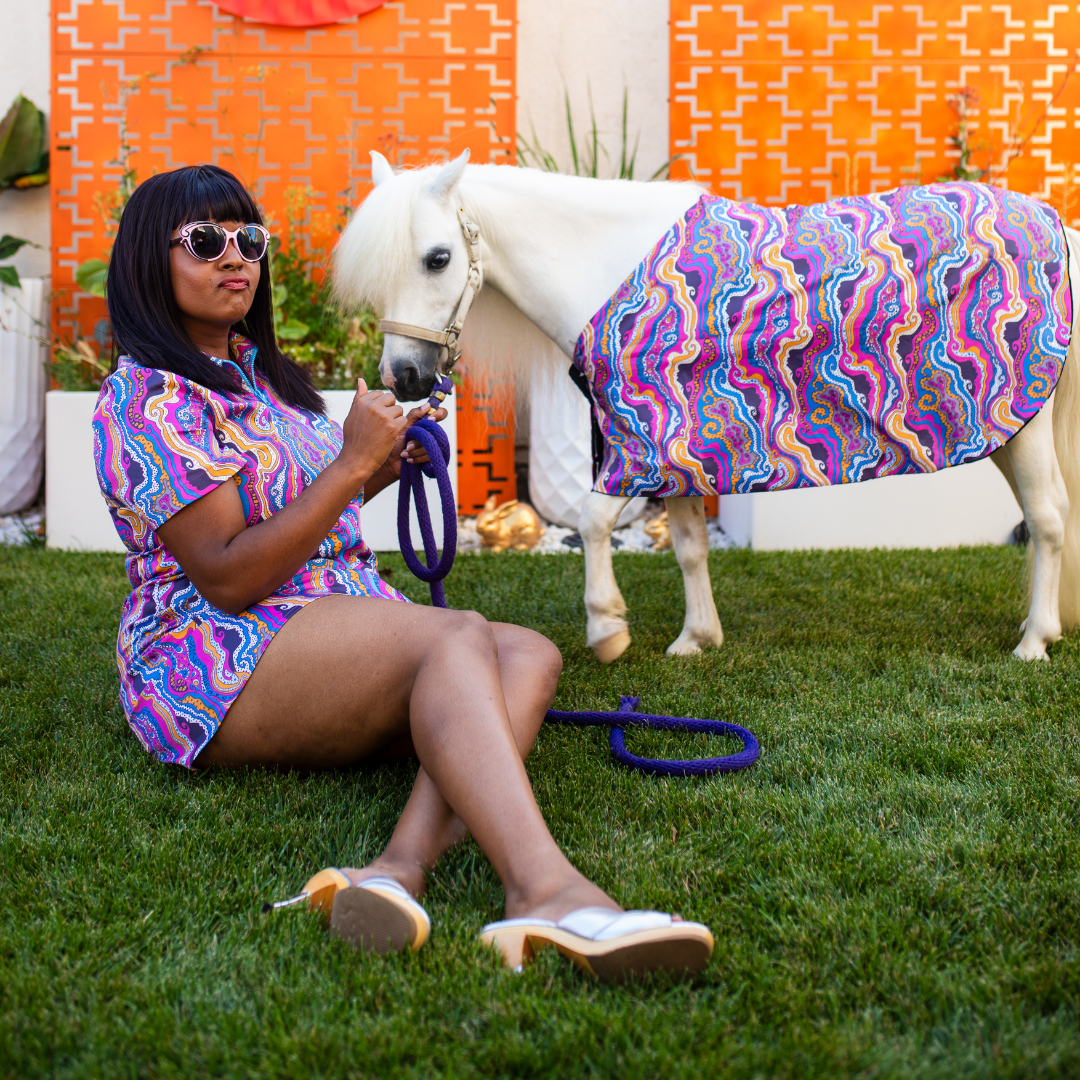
(258, 631)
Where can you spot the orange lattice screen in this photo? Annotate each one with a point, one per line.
(485, 433)
(180, 81)
(778, 102)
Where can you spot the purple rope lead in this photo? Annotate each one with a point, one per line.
(658, 766)
(432, 437)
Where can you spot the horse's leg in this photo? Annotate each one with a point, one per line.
(690, 538)
(1000, 458)
(1039, 485)
(606, 630)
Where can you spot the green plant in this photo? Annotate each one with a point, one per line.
(586, 159)
(964, 104)
(76, 365)
(335, 348)
(24, 161)
(9, 245)
(91, 275)
(32, 535)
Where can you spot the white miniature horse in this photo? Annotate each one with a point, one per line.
(557, 247)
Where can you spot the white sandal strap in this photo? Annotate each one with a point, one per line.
(505, 923)
(594, 923)
(386, 883)
(390, 885)
(603, 924)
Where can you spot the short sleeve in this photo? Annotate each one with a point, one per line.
(157, 448)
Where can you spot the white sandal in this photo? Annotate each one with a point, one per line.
(381, 915)
(377, 914)
(611, 945)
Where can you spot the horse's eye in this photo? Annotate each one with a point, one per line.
(437, 260)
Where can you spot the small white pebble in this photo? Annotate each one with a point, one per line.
(14, 527)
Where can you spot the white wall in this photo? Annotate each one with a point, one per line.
(24, 69)
(573, 45)
(969, 504)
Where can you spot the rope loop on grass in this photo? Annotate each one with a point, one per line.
(627, 716)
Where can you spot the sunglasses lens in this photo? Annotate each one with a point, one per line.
(207, 242)
(251, 243)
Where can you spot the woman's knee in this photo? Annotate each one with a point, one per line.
(470, 630)
(518, 644)
(549, 657)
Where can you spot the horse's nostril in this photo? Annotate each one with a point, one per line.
(410, 384)
(406, 376)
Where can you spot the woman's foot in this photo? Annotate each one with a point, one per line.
(408, 876)
(573, 892)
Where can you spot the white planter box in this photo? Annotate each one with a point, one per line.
(76, 518)
(23, 381)
(560, 451)
(968, 504)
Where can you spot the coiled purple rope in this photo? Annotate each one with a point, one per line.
(658, 766)
(433, 439)
(431, 436)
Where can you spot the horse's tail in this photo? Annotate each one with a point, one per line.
(1067, 448)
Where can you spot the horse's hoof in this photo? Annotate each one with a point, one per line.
(1035, 651)
(611, 648)
(690, 644)
(683, 648)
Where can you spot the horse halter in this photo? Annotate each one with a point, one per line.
(450, 337)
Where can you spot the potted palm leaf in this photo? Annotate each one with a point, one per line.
(23, 164)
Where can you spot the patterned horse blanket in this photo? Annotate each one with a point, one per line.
(760, 348)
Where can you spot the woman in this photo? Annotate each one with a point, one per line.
(258, 631)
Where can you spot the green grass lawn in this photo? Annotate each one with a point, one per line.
(893, 886)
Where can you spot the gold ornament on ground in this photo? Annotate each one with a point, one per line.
(513, 525)
(658, 531)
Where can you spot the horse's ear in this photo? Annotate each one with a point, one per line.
(449, 176)
(380, 169)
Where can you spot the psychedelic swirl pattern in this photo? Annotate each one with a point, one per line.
(759, 348)
(160, 443)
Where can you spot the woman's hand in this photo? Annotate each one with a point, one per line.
(413, 452)
(374, 428)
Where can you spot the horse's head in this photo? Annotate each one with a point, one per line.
(407, 251)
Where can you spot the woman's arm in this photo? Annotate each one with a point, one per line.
(235, 566)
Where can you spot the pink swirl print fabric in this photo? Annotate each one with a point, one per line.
(160, 443)
(761, 348)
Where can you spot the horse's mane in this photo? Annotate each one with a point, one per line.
(373, 259)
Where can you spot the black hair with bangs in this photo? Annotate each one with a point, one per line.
(146, 321)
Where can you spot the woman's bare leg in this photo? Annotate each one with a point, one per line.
(349, 676)
(529, 665)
